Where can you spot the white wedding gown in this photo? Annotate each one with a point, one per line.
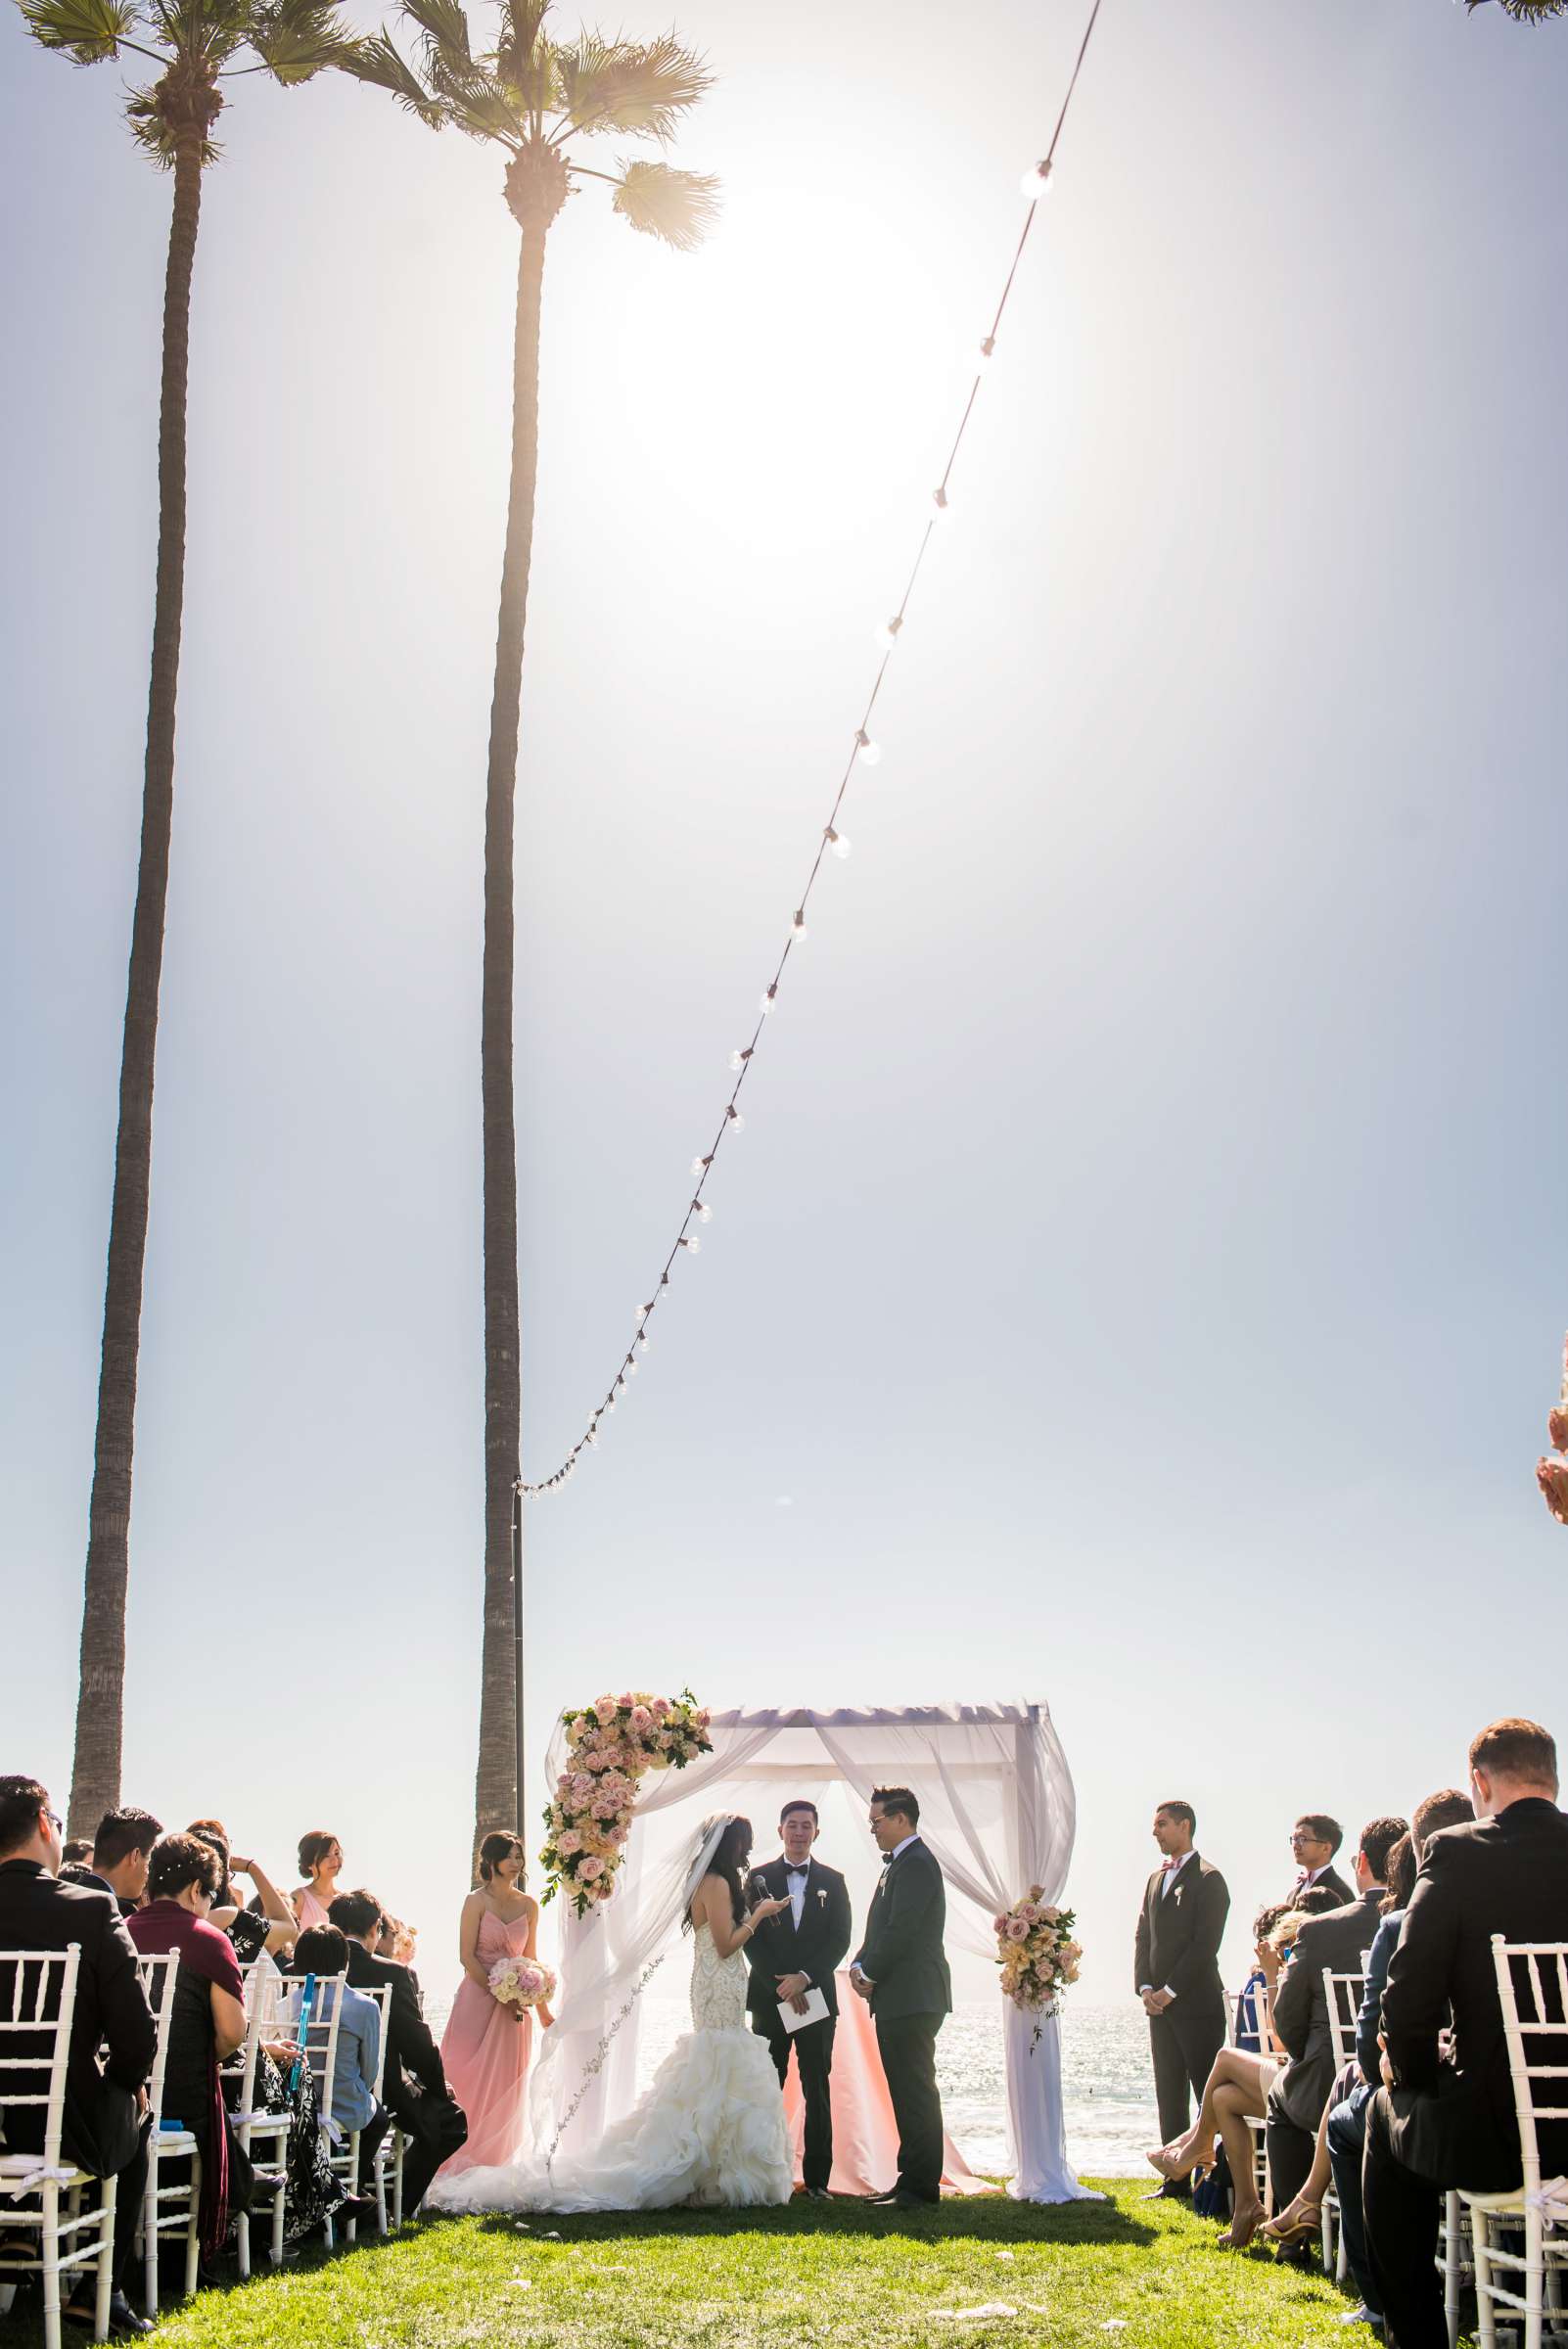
(710, 2132)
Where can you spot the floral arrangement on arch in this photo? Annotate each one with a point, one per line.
(1553, 1475)
(1037, 1955)
(609, 1745)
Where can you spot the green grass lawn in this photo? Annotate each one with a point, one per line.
(1144, 2274)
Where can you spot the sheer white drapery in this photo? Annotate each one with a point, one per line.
(996, 1807)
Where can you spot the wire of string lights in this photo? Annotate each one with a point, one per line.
(864, 750)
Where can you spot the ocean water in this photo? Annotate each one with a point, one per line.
(1107, 2084)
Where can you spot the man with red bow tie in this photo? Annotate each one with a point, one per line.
(1177, 1970)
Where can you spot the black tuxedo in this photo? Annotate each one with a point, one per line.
(815, 1948)
(1329, 1882)
(110, 2020)
(414, 2086)
(1177, 1949)
(1449, 2125)
(911, 1995)
(1301, 2018)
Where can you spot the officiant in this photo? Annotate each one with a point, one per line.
(794, 1955)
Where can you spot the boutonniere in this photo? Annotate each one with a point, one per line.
(821, 1894)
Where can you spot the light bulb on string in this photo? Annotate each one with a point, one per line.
(700, 1166)
(644, 1341)
(837, 846)
(733, 1116)
(768, 1001)
(869, 754)
(690, 1241)
(737, 1060)
(986, 351)
(630, 1370)
(942, 502)
(1036, 180)
(888, 634)
(798, 929)
(701, 1210)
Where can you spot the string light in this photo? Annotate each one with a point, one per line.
(866, 752)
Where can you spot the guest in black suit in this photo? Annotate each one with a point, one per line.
(122, 1850)
(1315, 1839)
(801, 1949)
(902, 1972)
(1337, 1941)
(1434, 2124)
(113, 2034)
(1175, 1972)
(414, 2085)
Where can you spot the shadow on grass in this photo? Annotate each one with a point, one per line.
(989, 2218)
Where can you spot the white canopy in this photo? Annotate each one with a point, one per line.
(996, 1807)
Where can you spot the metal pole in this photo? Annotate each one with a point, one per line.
(517, 1643)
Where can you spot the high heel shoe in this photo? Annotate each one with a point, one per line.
(1286, 2233)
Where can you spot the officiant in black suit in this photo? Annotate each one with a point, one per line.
(799, 1951)
(902, 1972)
(1176, 1969)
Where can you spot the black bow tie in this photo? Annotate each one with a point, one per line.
(796, 1871)
(887, 1859)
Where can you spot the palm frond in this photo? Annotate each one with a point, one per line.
(380, 61)
(1526, 12)
(150, 128)
(677, 207)
(207, 31)
(479, 104)
(296, 38)
(444, 31)
(518, 50)
(639, 89)
(88, 30)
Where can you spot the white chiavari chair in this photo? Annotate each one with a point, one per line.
(1269, 2048)
(310, 2015)
(263, 2134)
(1343, 1993)
(169, 2208)
(1533, 1993)
(37, 2000)
(346, 2157)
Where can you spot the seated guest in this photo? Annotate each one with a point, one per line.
(1343, 2130)
(1264, 1975)
(1299, 2097)
(320, 1865)
(273, 1930)
(415, 2086)
(122, 1850)
(1315, 1839)
(77, 1853)
(113, 2035)
(1436, 2123)
(1235, 2093)
(209, 2021)
(323, 1951)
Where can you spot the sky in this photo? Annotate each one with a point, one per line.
(1140, 1283)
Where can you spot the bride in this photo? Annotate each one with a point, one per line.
(710, 2130)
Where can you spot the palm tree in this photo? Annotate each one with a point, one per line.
(193, 43)
(532, 96)
(1526, 12)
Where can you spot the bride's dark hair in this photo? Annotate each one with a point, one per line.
(734, 1847)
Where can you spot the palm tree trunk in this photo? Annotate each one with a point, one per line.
(498, 1798)
(100, 1697)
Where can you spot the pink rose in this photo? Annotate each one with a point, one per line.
(665, 1739)
(1553, 1478)
(605, 1707)
(705, 1719)
(568, 1842)
(1029, 1913)
(1001, 1924)
(1017, 1930)
(625, 1701)
(641, 1719)
(618, 1834)
(1050, 1916)
(661, 1707)
(1558, 1427)
(590, 1871)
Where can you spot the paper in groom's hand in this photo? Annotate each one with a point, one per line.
(813, 2010)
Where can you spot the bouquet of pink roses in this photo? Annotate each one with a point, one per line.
(522, 1982)
(1552, 1475)
(609, 1745)
(1036, 1952)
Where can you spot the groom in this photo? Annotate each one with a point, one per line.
(902, 1972)
(797, 1951)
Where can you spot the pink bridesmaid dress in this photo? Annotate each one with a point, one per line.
(484, 2053)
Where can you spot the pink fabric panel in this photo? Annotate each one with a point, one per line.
(865, 2135)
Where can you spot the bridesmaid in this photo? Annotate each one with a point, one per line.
(320, 1865)
(486, 2046)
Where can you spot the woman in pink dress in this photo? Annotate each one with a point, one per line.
(321, 1864)
(485, 2052)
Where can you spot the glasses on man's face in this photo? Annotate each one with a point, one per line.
(56, 1821)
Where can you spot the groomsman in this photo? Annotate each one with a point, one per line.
(1315, 1839)
(801, 1949)
(902, 1972)
(1176, 1969)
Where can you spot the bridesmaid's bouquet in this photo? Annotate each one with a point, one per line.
(610, 1744)
(1037, 1955)
(522, 1982)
